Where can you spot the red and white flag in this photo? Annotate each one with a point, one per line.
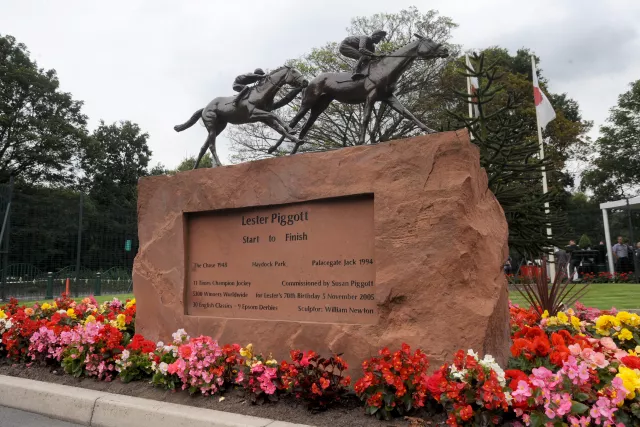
(544, 110)
(472, 86)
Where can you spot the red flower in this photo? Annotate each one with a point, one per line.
(436, 384)
(375, 400)
(324, 383)
(184, 351)
(632, 362)
(466, 413)
(316, 390)
(557, 340)
(522, 347)
(541, 346)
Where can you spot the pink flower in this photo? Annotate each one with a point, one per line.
(522, 392)
(564, 406)
(599, 360)
(575, 349)
(608, 343)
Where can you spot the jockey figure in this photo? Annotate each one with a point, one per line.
(361, 48)
(242, 82)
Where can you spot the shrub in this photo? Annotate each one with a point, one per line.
(473, 391)
(135, 360)
(91, 350)
(319, 382)
(259, 376)
(393, 383)
(201, 365)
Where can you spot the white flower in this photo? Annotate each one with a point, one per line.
(163, 368)
(179, 336)
(508, 397)
(489, 362)
(160, 344)
(472, 353)
(62, 311)
(125, 354)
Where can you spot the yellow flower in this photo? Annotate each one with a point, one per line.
(630, 380)
(130, 303)
(71, 313)
(631, 319)
(3, 315)
(89, 319)
(545, 314)
(575, 322)
(55, 305)
(28, 311)
(604, 323)
(271, 361)
(570, 312)
(625, 335)
(562, 318)
(121, 321)
(45, 306)
(247, 351)
(552, 321)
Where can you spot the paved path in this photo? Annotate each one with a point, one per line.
(14, 418)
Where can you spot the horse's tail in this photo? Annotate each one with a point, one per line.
(192, 121)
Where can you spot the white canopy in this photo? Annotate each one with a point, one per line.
(633, 204)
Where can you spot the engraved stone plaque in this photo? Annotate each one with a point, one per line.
(307, 262)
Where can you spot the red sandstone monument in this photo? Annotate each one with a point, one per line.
(344, 251)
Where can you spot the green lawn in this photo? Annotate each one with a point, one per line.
(603, 296)
(100, 299)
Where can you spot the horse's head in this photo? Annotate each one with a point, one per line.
(295, 78)
(428, 49)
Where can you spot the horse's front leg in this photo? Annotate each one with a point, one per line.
(273, 122)
(394, 103)
(366, 116)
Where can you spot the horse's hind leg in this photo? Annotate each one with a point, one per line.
(321, 105)
(220, 125)
(209, 119)
(201, 154)
(292, 124)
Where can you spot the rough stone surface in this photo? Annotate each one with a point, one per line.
(440, 242)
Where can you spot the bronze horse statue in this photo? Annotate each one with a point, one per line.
(256, 107)
(379, 85)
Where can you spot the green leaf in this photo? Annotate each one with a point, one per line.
(582, 396)
(578, 408)
(537, 420)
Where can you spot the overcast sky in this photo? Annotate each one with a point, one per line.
(156, 62)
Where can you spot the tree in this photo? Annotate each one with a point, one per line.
(615, 163)
(420, 90)
(186, 164)
(508, 154)
(584, 217)
(585, 242)
(506, 135)
(113, 160)
(41, 127)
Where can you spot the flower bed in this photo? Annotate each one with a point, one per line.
(580, 367)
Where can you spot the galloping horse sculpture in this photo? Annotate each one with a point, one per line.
(378, 85)
(256, 107)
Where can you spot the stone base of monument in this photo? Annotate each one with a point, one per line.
(345, 251)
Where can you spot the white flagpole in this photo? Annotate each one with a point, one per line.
(469, 103)
(466, 61)
(545, 188)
